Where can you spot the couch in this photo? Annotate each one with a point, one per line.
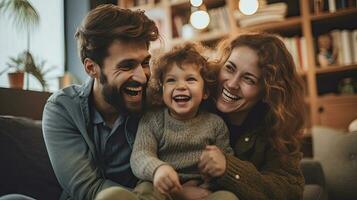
(25, 166)
(336, 151)
(315, 185)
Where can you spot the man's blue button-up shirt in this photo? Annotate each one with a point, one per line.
(113, 149)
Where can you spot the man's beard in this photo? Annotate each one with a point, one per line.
(113, 96)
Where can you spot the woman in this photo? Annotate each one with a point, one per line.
(260, 96)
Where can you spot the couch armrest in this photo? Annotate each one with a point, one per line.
(25, 166)
(313, 172)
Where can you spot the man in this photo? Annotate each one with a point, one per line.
(89, 130)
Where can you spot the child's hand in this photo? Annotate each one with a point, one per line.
(166, 179)
(212, 162)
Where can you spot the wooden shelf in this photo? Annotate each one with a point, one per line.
(337, 111)
(287, 24)
(338, 14)
(335, 68)
(335, 98)
(213, 35)
(307, 25)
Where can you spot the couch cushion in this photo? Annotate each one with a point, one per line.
(25, 167)
(337, 153)
(314, 192)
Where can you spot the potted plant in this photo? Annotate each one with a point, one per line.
(36, 68)
(25, 63)
(16, 78)
(24, 17)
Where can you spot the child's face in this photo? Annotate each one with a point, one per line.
(183, 91)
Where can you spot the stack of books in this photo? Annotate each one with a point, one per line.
(269, 13)
(346, 43)
(298, 50)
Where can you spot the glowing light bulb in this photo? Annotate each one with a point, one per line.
(199, 19)
(196, 3)
(248, 7)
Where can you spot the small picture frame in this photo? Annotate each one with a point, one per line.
(327, 53)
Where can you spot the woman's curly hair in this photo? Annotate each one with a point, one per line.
(283, 90)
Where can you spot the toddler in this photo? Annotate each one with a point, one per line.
(170, 140)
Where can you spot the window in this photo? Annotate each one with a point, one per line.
(46, 43)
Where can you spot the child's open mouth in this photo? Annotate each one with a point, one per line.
(181, 98)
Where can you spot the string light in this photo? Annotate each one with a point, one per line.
(199, 19)
(196, 3)
(248, 7)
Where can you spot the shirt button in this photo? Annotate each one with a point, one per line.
(246, 139)
(237, 176)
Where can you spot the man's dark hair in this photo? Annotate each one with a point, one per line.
(107, 23)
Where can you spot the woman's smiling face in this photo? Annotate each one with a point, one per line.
(240, 82)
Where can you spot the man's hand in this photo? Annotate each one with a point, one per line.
(166, 179)
(212, 162)
(191, 191)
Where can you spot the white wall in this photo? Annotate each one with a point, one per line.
(47, 42)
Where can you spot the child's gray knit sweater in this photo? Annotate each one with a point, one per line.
(162, 139)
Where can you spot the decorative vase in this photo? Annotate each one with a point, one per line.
(16, 80)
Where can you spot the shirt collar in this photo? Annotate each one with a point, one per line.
(98, 119)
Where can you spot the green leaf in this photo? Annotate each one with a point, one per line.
(23, 15)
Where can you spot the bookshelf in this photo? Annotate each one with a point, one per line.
(303, 24)
(292, 23)
(336, 68)
(348, 12)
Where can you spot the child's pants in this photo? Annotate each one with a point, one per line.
(146, 191)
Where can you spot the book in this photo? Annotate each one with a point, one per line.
(270, 13)
(332, 5)
(304, 53)
(354, 45)
(336, 41)
(260, 19)
(299, 53)
(225, 19)
(294, 52)
(177, 24)
(294, 47)
(346, 47)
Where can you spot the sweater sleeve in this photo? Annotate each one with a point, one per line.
(222, 136)
(276, 180)
(144, 160)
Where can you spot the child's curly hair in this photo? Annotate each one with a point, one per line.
(189, 53)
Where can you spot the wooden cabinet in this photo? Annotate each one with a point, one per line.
(337, 111)
(319, 82)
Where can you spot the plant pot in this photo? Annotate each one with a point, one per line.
(16, 80)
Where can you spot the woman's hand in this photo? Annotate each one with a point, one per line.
(166, 179)
(191, 191)
(212, 162)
